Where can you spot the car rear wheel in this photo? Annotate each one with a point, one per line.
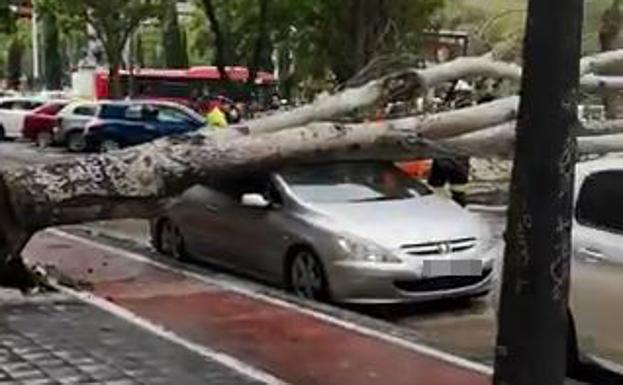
(108, 145)
(306, 276)
(44, 139)
(172, 241)
(76, 142)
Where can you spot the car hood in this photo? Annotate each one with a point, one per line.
(398, 222)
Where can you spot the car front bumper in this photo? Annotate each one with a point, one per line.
(373, 283)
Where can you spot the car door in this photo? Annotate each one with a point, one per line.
(257, 239)
(138, 126)
(13, 119)
(598, 231)
(5, 114)
(199, 216)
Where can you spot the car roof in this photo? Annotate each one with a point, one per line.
(22, 99)
(602, 164)
(139, 101)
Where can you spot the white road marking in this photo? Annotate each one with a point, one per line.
(222, 358)
(233, 287)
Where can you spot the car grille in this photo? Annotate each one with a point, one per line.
(441, 283)
(437, 248)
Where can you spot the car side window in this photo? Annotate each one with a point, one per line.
(6, 105)
(255, 184)
(599, 203)
(85, 111)
(26, 105)
(134, 112)
(171, 115)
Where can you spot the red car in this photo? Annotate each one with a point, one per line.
(39, 124)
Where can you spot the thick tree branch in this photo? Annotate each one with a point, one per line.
(409, 83)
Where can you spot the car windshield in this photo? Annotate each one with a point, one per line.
(352, 182)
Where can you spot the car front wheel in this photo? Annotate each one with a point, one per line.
(306, 276)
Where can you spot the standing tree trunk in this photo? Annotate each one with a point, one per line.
(219, 39)
(53, 70)
(114, 54)
(139, 52)
(175, 52)
(114, 79)
(531, 343)
(14, 64)
(260, 44)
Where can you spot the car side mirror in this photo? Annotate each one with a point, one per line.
(255, 201)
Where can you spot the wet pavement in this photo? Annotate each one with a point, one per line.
(291, 344)
(59, 340)
(468, 329)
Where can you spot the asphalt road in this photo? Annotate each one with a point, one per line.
(466, 328)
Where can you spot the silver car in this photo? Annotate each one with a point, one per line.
(72, 119)
(598, 215)
(356, 232)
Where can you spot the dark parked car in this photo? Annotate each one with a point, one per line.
(123, 124)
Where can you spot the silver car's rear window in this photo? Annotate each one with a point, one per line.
(352, 182)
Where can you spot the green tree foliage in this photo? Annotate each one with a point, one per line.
(113, 21)
(317, 42)
(175, 50)
(7, 19)
(53, 69)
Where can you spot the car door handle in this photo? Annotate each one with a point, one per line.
(211, 208)
(593, 254)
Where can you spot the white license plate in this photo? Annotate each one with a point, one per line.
(445, 268)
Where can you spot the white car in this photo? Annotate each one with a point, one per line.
(598, 213)
(13, 111)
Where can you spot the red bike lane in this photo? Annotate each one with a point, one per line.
(292, 345)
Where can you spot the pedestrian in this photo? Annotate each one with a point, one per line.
(216, 115)
(454, 170)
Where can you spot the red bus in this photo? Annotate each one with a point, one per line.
(194, 86)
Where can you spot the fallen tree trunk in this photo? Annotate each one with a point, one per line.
(138, 182)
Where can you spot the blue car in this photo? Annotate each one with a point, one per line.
(124, 124)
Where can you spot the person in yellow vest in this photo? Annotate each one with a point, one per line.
(216, 116)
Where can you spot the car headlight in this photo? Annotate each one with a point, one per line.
(361, 250)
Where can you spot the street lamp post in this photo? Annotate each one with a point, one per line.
(36, 69)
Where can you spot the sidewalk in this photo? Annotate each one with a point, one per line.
(56, 339)
(279, 339)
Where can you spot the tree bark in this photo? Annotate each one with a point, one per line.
(532, 322)
(175, 51)
(219, 39)
(260, 44)
(52, 54)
